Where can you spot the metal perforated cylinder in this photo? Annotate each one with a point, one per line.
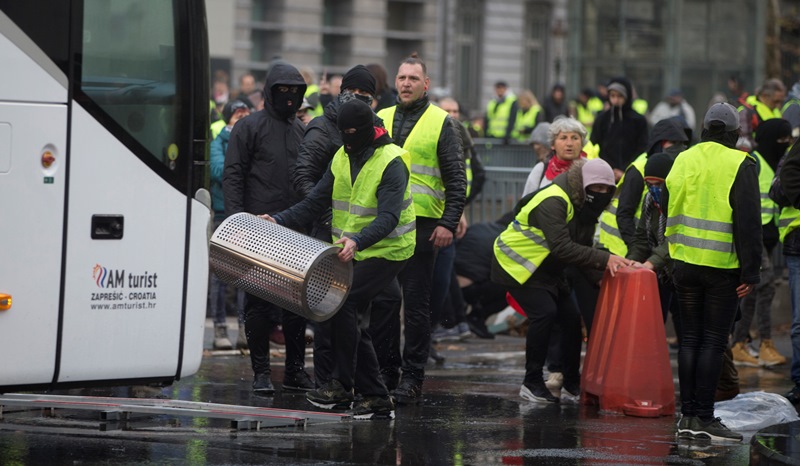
(296, 272)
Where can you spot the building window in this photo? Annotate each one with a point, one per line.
(468, 37)
(537, 27)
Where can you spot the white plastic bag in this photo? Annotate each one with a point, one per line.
(755, 410)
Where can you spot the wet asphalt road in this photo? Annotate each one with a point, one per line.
(472, 415)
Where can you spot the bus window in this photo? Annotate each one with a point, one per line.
(128, 70)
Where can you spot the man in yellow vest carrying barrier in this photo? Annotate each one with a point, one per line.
(714, 234)
(373, 219)
(438, 186)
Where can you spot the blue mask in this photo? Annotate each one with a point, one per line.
(655, 192)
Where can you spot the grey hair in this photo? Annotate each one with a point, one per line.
(565, 124)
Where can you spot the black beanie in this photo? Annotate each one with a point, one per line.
(359, 77)
(658, 165)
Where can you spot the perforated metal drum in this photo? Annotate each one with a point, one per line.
(294, 271)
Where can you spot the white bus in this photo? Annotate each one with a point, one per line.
(103, 246)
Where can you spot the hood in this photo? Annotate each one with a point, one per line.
(669, 129)
(283, 74)
(628, 105)
(794, 93)
(575, 183)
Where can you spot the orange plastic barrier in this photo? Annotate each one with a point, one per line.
(627, 367)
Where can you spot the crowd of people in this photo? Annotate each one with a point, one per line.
(385, 173)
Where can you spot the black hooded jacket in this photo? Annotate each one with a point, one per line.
(262, 152)
(320, 143)
(630, 193)
(790, 184)
(620, 132)
(451, 165)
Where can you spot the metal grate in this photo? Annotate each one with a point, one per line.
(294, 271)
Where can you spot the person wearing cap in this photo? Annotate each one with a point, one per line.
(618, 222)
(540, 142)
(259, 164)
(674, 105)
(620, 132)
(304, 113)
(713, 210)
(772, 137)
(321, 141)
(501, 113)
(367, 187)
(438, 186)
(553, 228)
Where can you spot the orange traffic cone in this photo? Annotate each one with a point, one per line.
(627, 366)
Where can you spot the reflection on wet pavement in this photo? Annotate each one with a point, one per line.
(472, 415)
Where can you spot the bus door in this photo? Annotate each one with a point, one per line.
(33, 155)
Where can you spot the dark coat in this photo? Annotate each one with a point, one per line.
(620, 132)
(630, 192)
(790, 184)
(320, 143)
(262, 152)
(451, 164)
(569, 243)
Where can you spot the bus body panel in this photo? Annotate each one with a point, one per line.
(32, 202)
(27, 75)
(123, 296)
(196, 302)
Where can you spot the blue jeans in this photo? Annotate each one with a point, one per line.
(793, 263)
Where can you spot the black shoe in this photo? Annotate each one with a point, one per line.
(794, 395)
(372, 407)
(714, 430)
(332, 395)
(479, 328)
(262, 385)
(571, 392)
(298, 381)
(686, 427)
(409, 392)
(537, 393)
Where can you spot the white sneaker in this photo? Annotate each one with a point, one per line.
(554, 383)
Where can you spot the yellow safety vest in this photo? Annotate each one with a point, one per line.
(427, 186)
(525, 120)
(355, 205)
(788, 221)
(640, 105)
(216, 128)
(769, 209)
(522, 248)
(468, 164)
(610, 237)
(317, 110)
(497, 117)
(700, 219)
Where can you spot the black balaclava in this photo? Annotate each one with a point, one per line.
(767, 135)
(594, 205)
(356, 114)
(285, 104)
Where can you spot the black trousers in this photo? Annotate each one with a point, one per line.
(260, 318)
(415, 280)
(355, 363)
(544, 309)
(708, 302)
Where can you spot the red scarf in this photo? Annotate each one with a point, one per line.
(557, 166)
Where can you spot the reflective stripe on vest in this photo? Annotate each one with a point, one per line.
(769, 209)
(525, 120)
(422, 143)
(700, 221)
(355, 205)
(498, 116)
(788, 221)
(468, 164)
(522, 248)
(610, 236)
